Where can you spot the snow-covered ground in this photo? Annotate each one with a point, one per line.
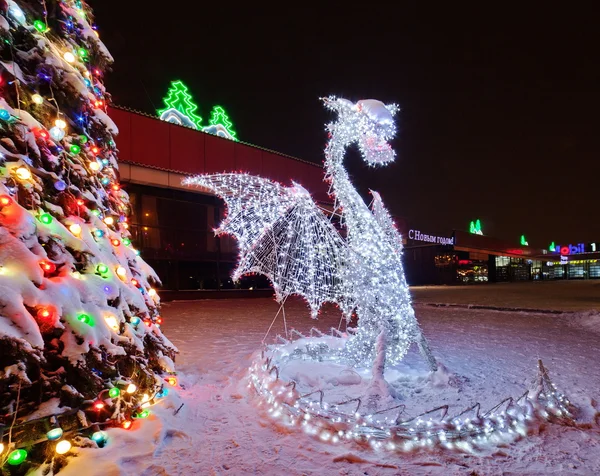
(491, 354)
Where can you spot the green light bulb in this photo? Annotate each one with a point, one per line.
(126, 241)
(54, 434)
(16, 457)
(84, 318)
(75, 149)
(83, 139)
(83, 52)
(143, 414)
(45, 218)
(114, 392)
(40, 26)
(102, 268)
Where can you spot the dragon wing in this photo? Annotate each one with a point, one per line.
(283, 235)
(385, 221)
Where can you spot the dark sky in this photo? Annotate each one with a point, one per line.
(499, 111)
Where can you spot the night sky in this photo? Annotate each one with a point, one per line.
(499, 111)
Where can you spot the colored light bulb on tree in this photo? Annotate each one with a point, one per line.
(5, 201)
(135, 321)
(114, 392)
(94, 166)
(126, 424)
(99, 405)
(109, 220)
(16, 457)
(131, 388)
(85, 318)
(63, 447)
(99, 437)
(45, 218)
(121, 272)
(37, 99)
(69, 57)
(47, 266)
(115, 242)
(57, 133)
(75, 228)
(98, 233)
(60, 123)
(45, 314)
(40, 26)
(75, 149)
(23, 173)
(126, 241)
(54, 434)
(102, 268)
(112, 322)
(172, 381)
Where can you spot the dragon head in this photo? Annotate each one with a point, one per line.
(368, 122)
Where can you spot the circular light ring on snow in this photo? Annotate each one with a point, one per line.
(341, 421)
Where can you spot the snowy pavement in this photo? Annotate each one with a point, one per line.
(492, 355)
(549, 295)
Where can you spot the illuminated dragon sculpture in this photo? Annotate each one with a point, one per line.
(284, 235)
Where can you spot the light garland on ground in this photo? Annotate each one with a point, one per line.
(389, 429)
(283, 235)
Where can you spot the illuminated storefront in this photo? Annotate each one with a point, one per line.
(471, 258)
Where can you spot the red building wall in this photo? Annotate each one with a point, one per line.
(151, 142)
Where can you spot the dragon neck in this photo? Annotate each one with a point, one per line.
(347, 197)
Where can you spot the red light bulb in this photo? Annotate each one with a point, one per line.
(135, 282)
(115, 242)
(126, 424)
(48, 267)
(99, 405)
(80, 202)
(95, 150)
(45, 314)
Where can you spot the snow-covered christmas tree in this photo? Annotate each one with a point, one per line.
(80, 344)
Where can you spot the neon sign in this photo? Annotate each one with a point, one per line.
(440, 240)
(571, 249)
(180, 109)
(475, 227)
(524, 241)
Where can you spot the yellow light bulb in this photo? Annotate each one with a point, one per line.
(63, 446)
(23, 173)
(75, 229)
(94, 166)
(145, 398)
(121, 272)
(131, 388)
(151, 292)
(112, 322)
(60, 124)
(69, 57)
(1, 448)
(36, 98)
(109, 220)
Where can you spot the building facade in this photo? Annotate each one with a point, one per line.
(172, 225)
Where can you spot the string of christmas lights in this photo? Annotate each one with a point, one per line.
(390, 429)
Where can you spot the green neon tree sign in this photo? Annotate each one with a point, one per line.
(552, 247)
(475, 227)
(180, 108)
(524, 241)
(220, 118)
